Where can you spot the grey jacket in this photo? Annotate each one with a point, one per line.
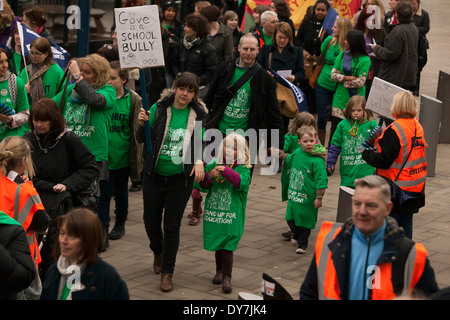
(399, 56)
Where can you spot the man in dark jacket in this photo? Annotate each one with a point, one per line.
(399, 56)
(255, 105)
(371, 259)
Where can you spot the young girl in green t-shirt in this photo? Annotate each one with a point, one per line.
(227, 179)
(350, 134)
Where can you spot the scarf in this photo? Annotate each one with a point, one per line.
(36, 84)
(187, 43)
(70, 278)
(12, 85)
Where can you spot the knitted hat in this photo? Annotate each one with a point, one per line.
(166, 4)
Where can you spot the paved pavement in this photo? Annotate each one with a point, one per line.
(261, 248)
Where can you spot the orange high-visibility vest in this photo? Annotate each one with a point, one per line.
(328, 285)
(28, 202)
(412, 177)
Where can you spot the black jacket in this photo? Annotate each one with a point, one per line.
(60, 159)
(158, 130)
(201, 59)
(291, 58)
(264, 110)
(17, 269)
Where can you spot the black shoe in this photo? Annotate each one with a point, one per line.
(117, 232)
(105, 239)
(135, 187)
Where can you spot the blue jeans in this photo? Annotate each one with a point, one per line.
(117, 185)
(406, 222)
(324, 98)
(166, 196)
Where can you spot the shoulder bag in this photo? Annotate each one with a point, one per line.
(316, 73)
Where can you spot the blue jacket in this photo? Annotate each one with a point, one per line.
(101, 281)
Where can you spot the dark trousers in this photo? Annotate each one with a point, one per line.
(324, 98)
(301, 234)
(168, 195)
(117, 185)
(224, 262)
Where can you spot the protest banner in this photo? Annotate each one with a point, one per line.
(140, 46)
(381, 96)
(139, 37)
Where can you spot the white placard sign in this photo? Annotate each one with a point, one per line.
(381, 96)
(139, 37)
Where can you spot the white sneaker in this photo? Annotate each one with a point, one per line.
(300, 251)
(294, 242)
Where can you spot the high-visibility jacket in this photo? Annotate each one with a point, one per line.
(260, 37)
(27, 202)
(413, 175)
(382, 289)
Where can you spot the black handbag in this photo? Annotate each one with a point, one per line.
(87, 197)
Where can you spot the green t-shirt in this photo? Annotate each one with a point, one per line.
(21, 105)
(360, 65)
(119, 134)
(170, 159)
(351, 165)
(330, 56)
(18, 59)
(237, 111)
(267, 39)
(51, 79)
(90, 125)
(224, 214)
(306, 174)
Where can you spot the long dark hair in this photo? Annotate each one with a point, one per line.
(356, 43)
(361, 22)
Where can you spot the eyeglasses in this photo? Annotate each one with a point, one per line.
(36, 54)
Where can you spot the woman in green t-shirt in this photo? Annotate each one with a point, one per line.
(16, 60)
(175, 123)
(43, 75)
(330, 49)
(87, 107)
(350, 71)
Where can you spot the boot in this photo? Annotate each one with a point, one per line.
(218, 277)
(166, 282)
(157, 262)
(118, 231)
(322, 136)
(196, 211)
(226, 284)
(105, 239)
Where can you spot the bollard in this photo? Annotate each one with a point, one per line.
(443, 94)
(344, 209)
(430, 118)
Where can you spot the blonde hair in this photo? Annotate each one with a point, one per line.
(301, 119)
(404, 106)
(306, 130)
(344, 25)
(7, 13)
(357, 100)
(100, 67)
(243, 153)
(12, 150)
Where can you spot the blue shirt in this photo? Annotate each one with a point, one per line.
(365, 252)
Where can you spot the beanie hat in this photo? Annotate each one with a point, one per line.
(166, 4)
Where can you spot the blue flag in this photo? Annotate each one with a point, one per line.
(60, 55)
(330, 18)
(300, 97)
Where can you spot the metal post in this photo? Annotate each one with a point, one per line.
(443, 94)
(430, 118)
(83, 32)
(344, 209)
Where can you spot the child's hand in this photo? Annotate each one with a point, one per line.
(220, 168)
(317, 203)
(143, 117)
(198, 172)
(214, 173)
(330, 169)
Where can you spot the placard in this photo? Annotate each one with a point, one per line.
(381, 96)
(139, 37)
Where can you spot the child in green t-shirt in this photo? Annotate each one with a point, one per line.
(350, 134)
(303, 187)
(227, 179)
